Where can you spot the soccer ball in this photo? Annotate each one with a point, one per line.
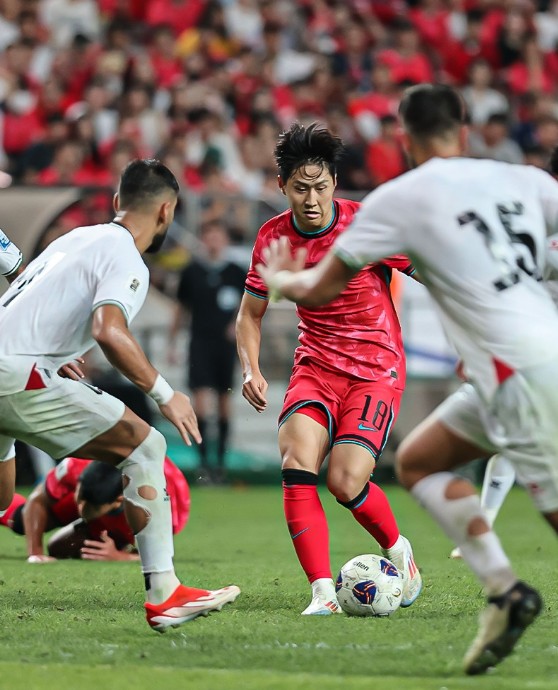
(369, 585)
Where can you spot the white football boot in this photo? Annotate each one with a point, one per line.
(456, 553)
(401, 555)
(501, 624)
(324, 599)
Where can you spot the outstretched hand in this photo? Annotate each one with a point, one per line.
(180, 412)
(278, 257)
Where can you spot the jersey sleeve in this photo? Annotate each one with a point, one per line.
(375, 232)
(547, 188)
(62, 479)
(122, 280)
(10, 256)
(401, 263)
(254, 285)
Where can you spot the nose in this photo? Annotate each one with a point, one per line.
(310, 200)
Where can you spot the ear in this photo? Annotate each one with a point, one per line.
(281, 185)
(116, 202)
(405, 141)
(164, 212)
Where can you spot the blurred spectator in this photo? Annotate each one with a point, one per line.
(546, 23)
(244, 22)
(210, 291)
(493, 141)
(407, 62)
(40, 154)
(68, 18)
(482, 100)
(211, 83)
(384, 156)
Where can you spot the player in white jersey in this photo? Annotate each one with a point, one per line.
(10, 258)
(499, 476)
(10, 265)
(85, 288)
(476, 231)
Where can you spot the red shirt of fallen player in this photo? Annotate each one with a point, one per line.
(358, 333)
(61, 483)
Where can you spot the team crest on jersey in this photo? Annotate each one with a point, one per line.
(4, 242)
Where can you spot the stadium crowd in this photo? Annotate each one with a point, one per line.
(206, 85)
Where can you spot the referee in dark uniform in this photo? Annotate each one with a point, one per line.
(210, 290)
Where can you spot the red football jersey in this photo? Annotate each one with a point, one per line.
(358, 333)
(61, 483)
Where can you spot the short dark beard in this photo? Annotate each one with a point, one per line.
(157, 243)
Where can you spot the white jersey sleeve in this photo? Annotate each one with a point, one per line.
(123, 281)
(10, 256)
(376, 231)
(548, 193)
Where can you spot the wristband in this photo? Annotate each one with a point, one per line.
(276, 285)
(161, 392)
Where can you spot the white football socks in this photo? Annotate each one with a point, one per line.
(498, 480)
(484, 553)
(144, 467)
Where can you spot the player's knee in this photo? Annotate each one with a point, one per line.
(292, 460)
(155, 444)
(407, 465)
(344, 485)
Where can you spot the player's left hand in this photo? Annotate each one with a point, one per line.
(278, 257)
(104, 550)
(72, 370)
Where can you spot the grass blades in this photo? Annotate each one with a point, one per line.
(78, 624)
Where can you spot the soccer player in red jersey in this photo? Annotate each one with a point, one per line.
(84, 498)
(348, 374)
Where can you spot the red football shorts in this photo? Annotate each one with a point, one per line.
(352, 410)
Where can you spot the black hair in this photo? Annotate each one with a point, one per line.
(431, 110)
(100, 483)
(142, 181)
(498, 119)
(312, 145)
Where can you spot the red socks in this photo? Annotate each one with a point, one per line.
(372, 510)
(307, 522)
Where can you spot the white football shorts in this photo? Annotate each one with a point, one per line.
(520, 422)
(58, 419)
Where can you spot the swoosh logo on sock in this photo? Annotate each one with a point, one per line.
(294, 536)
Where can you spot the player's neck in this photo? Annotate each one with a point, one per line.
(311, 231)
(136, 226)
(436, 148)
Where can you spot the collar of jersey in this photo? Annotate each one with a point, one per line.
(120, 225)
(321, 231)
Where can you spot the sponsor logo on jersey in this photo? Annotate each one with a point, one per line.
(4, 242)
(134, 285)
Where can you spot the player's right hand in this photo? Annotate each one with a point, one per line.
(40, 558)
(180, 412)
(254, 388)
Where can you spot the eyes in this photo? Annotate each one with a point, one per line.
(302, 190)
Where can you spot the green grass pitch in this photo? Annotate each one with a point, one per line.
(81, 625)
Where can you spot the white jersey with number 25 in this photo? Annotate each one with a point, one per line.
(476, 231)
